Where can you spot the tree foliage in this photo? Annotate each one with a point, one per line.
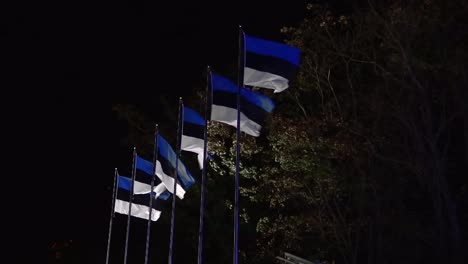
(363, 160)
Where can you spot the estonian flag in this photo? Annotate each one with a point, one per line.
(193, 133)
(166, 165)
(143, 176)
(254, 106)
(148, 168)
(269, 64)
(161, 192)
(140, 203)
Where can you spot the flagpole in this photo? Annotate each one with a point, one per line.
(130, 204)
(155, 158)
(203, 183)
(180, 127)
(240, 84)
(116, 180)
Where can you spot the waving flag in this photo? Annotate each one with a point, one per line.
(269, 64)
(168, 181)
(193, 133)
(140, 203)
(165, 167)
(254, 106)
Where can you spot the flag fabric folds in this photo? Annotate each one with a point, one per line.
(143, 176)
(167, 159)
(140, 203)
(254, 106)
(160, 192)
(269, 64)
(193, 133)
(168, 181)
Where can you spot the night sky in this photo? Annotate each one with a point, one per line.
(81, 59)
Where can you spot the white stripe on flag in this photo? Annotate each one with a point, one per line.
(138, 210)
(228, 116)
(265, 80)
(169, 181)
(141, 188)
(159, 189)
(200, 160)
(194, 145)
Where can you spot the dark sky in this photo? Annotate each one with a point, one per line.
(74, 60)
(156, 44)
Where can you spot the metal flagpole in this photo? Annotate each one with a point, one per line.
(116, 180)
(130, 204)
(203, 183)
(240, 84)
(180, 127)
(155, 158)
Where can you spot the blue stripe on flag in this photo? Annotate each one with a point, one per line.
(191, 116)
(144, 165)
(125, 183)
(260, 100)
(223, 84)
(165, 195)
(273, 49)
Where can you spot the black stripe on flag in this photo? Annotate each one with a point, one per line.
(143, 177)
(142, 199)
(271, 65)
(167, 168)
(250, 110)
(193, 130)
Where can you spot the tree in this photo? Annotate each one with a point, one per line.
(359, 162)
